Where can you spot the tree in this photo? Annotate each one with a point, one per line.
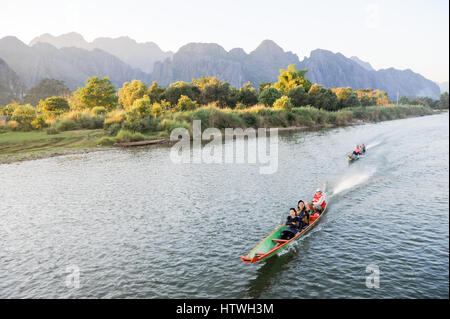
(44, 89)
(157, 109)
(269, 96)
(247, 95)
(143, 106)
(233, 97)
(263, 86)
(367, 101)
(351, 101)
(155, 92)
(443, 101)
(283, 103)
(185, 104)
(347, 97)
(327, 100)
(218, 92)
(367, 97)
(291, 78)
(173, 93)
(204, 81)
(97, 92)
(39, 122)
(427, 101)
(315, 89)
(53, 106)
(403, 100)
(130, 92)
(24, 115)
(214, 90)
(323, 98)
(298, 96)
(382, 97)
(9, 109)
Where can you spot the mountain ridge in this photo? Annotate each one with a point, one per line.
(76, 59)
(70, 64)
(137, 55)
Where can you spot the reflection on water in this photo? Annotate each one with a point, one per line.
(268, 273)
(138, 226)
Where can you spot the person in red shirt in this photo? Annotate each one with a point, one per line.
(319, 201)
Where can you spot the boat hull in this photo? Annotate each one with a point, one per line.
(268, 248)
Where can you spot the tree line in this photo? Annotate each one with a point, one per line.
(50, 99)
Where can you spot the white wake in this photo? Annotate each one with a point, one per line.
(372, 145)
(352, 180)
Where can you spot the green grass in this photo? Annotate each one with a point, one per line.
(16, 146)
(307, 116)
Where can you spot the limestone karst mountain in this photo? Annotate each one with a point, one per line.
(11, 88)
(70, 64)
(137, 55)
(72, 59)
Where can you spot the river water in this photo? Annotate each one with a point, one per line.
(132, 224)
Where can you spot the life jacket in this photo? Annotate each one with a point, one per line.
(318, 198)
(358, 150)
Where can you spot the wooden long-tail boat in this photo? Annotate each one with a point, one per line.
(352, 157)
(272, 244)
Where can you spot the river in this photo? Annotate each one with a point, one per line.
(132, 224)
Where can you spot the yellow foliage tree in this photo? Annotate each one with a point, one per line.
(291, 78)
(131, 92)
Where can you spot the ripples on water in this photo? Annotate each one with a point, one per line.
(138, 226)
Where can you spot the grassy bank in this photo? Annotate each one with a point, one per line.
(309, 117)
(17, 146)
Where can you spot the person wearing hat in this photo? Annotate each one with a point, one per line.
(319, 201)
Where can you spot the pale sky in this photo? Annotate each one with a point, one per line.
(403, 34)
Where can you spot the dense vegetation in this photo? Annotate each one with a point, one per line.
(136, 109)
(442, 103)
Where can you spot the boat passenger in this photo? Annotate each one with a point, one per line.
(300, 209)
(357, 150)
(363, 148)
(303, 211)
(292, 224)
(308, 209)
(319, 201)
(305, 221)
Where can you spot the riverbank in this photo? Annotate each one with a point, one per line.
(19, 146)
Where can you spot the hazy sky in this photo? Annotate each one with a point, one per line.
(392, 33)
